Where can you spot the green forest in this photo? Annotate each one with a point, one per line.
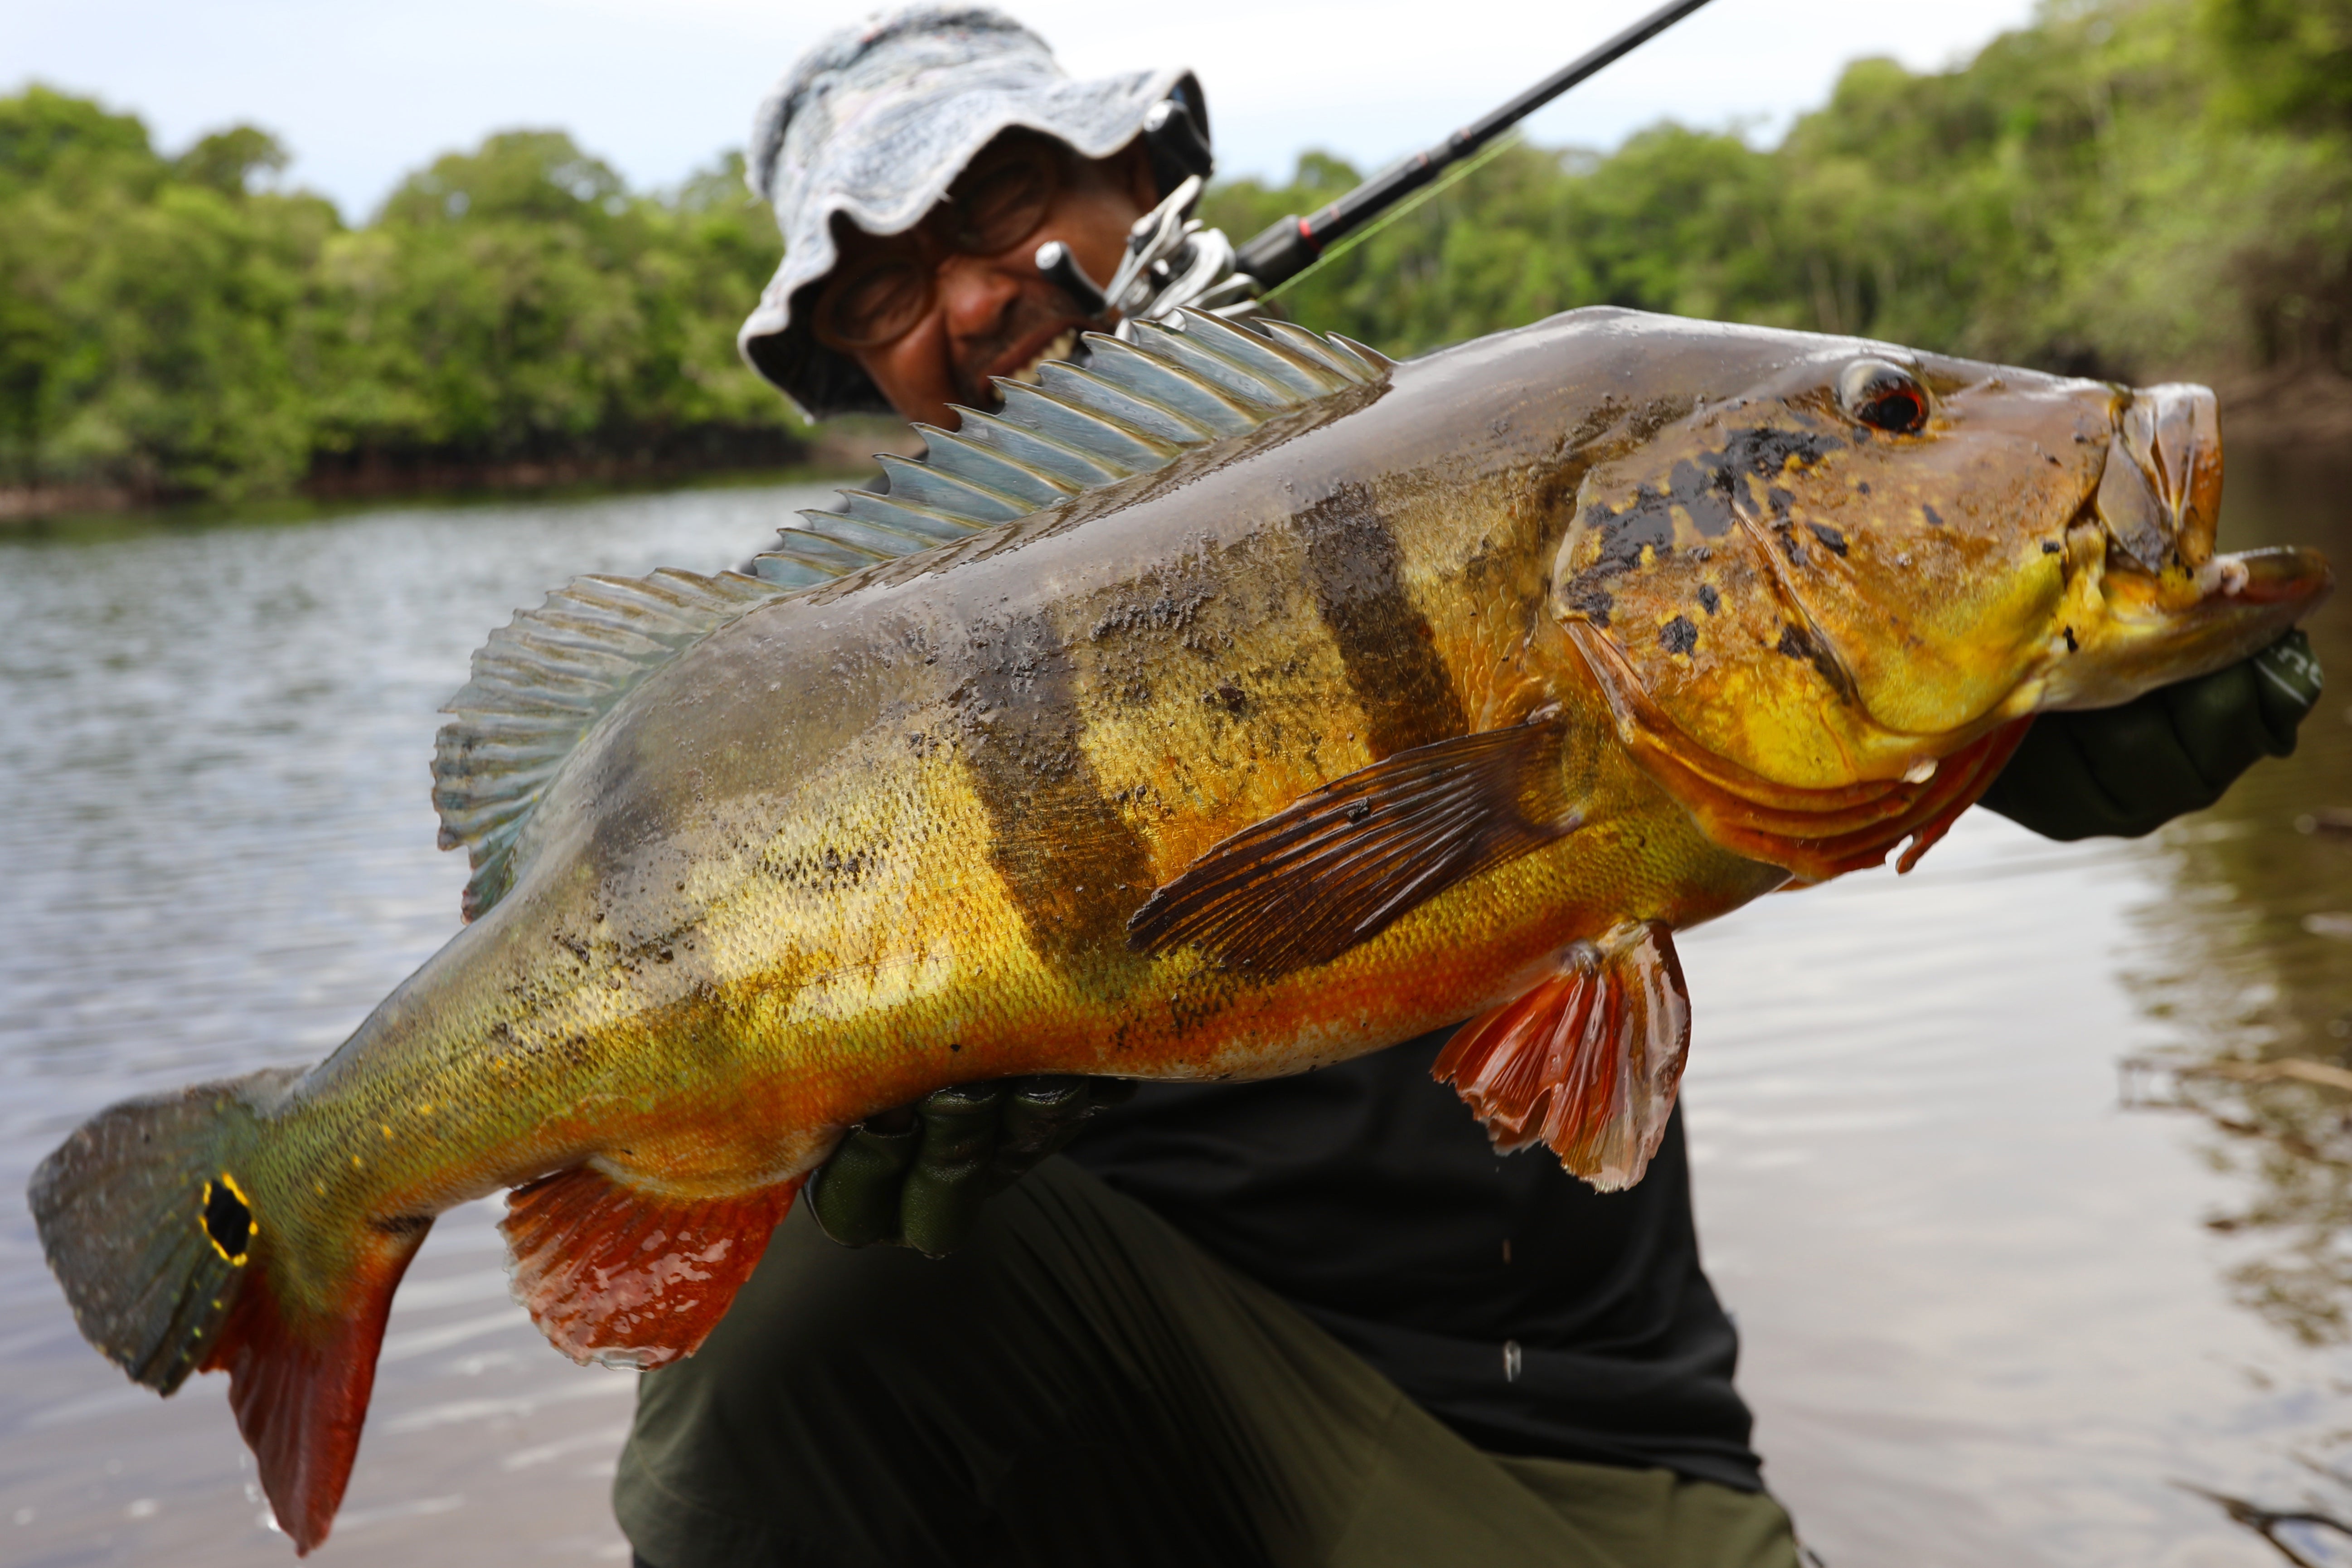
(170, 331)
(2130, 188)
(2159, 188)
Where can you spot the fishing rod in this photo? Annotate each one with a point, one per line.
(1292, 245)
(1173, 261)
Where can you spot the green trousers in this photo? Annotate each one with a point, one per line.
(1083, 1385)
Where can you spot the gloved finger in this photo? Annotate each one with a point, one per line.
(2218, 721)
(2047, 787)
(2138, 758)
(854, 1194)
(939, 1202)
(2287, 683)
(1040, 1115)
(1107, 1091)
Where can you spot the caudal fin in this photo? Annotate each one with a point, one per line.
(155, 1218)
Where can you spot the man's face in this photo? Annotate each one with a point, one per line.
(933, 313)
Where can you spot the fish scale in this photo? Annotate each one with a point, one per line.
(1320, 703)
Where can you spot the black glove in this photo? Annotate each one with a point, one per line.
(2129, 770)
(916, 1175)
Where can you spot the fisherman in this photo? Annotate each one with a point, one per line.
(1311, 1321)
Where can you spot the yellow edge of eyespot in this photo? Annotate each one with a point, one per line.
(252, 1222)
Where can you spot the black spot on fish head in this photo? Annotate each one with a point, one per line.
(1832, 540)
(1678, 635)
(1768, 451)
(1594, 604)
(1708, 598)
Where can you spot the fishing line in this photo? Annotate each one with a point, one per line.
(1461, 170)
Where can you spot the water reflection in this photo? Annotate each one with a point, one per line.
(2248, 966)
(2249, 963)
(219, 843)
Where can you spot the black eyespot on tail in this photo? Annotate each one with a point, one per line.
(229, 1220)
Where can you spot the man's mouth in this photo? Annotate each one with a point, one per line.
(1063, 345)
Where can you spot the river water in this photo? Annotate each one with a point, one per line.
(2021, 1278)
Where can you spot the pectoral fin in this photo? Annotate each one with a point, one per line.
(1586, 1063)
(1339, 865)
(629, 1278)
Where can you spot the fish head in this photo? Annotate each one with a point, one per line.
(1849, 561)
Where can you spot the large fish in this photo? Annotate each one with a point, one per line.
(1239, 703)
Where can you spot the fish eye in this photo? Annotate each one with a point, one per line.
(1883, 397)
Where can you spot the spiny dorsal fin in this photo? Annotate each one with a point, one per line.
(538, 684)
(1131, 408)
(544, 680)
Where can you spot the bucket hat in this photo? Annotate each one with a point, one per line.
(875, 123)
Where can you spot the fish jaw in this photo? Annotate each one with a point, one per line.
(2147, 600)
(2160, 495)
(2125, 630)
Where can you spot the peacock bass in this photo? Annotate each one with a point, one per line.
(1240, 702)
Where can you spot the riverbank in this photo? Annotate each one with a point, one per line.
(842, 449)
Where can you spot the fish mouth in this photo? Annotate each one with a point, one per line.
(2160, 495)
(2281, 575)
(2150, 602)
(2159, 507)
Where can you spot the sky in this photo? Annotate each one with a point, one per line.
(363, 93)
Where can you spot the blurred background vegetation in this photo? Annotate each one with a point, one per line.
(171, 327)
(2129, 188)
(2137, 188)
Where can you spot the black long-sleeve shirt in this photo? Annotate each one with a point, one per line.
(1529, 1312)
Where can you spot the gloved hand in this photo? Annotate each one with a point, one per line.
(2129, 770)
(916, 1175)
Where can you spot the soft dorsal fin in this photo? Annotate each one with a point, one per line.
(1131, 408)
(543, 680)
(538, 684)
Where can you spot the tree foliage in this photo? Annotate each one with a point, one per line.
(2130, 188)
(174, 326)
(2127, 187)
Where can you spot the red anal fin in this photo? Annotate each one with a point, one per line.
(1339, 864)
(1588, 1062)
(300, 1388)
(631, 1278)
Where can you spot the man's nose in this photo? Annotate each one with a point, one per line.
(974, 290)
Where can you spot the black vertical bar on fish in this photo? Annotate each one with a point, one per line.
(1290, 246)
